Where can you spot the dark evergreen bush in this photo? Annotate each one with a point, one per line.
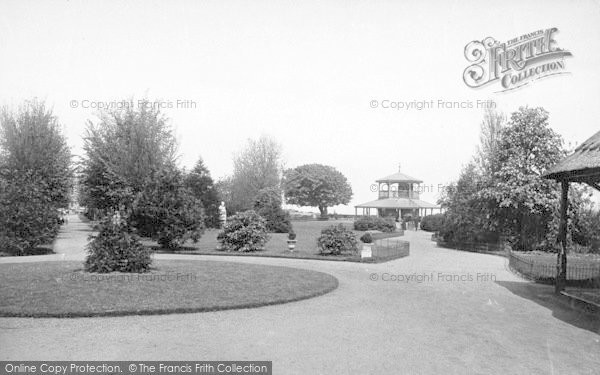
(202, 186)
(246, 231)
(167, 211)
(336, 240)
(116, 248)
(268, 205)
(364, 223)
(28, 216)
(432, 223)
(367, 238)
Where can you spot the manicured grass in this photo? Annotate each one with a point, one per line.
(307, 233)
(62, 289)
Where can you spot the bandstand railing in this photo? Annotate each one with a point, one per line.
(398, 194)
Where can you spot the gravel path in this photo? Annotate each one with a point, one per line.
(458, 313)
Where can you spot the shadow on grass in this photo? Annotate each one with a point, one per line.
(36, 251)
(544, 296)
(163, 250)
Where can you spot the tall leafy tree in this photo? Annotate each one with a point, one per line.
(502, 191)
(488, 151)
(525, 202)
(202, 186)
(316, 185)
(35, 177)
(32, 141)
(256, 167)
(121, 151)
(467, 218)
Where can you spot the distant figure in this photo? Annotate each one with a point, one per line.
(222, 214)
(417, 220)
(64, 216)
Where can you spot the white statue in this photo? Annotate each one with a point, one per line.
(222, 214)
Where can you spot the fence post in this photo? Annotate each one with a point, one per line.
(530, 268)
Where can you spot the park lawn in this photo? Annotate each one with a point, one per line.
(40, 250)
(63, 289)
(307, 233)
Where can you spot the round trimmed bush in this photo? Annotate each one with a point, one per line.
(116, 248)
(367, 238)
(246, 231)
(337, 239)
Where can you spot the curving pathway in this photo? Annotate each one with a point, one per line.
(458, 313)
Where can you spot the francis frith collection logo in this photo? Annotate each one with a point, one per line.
(514, 63)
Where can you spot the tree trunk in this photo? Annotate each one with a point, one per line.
(323, 210)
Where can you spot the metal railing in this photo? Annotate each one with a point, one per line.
(472, 246)
(390, 248)
(544, 271)
(398, 194)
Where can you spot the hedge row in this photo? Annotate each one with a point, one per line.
(365, 223)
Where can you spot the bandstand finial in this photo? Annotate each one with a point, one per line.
(399, 167)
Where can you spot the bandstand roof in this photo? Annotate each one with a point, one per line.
(581, 166)
(399, 177)
(397, 203)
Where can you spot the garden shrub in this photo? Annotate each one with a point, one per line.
(116, 248)
(246, 231)
(364, 223)
(337, 239)
(367, 238)
(432, 223)
(586, 232)
(168, 212)
(268, 205)
(202, 186)
(28, 216)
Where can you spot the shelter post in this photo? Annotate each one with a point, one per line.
(561, 261)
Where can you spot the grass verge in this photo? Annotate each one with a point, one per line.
(307, 233)
(62, 289)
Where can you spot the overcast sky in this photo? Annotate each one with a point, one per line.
(302, 72)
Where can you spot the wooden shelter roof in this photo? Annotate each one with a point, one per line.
(583, 165)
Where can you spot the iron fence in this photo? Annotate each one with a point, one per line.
(472, 246)
(390, 248)
(578, 274)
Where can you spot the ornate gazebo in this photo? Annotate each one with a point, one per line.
(582, 166)
(397, 198)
